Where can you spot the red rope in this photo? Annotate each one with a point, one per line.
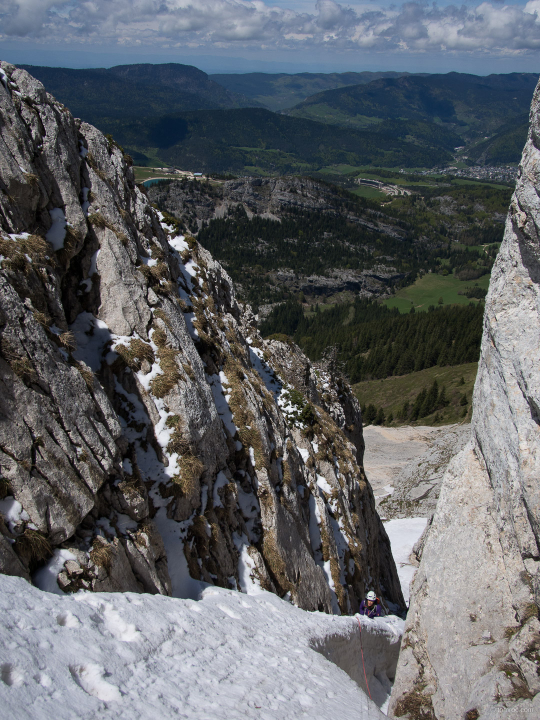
(362, 651)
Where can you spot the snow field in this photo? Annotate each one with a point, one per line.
(229, 656)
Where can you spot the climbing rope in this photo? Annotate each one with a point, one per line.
(362, 651)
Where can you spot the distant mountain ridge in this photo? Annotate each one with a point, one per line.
(176, 114)
(142, 90)
(280, 91)
(469, 105)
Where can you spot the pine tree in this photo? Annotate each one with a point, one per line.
(415, 413)
(404, 411)
(430, 401)
(443, 401)
(370, 415)
(380, 419)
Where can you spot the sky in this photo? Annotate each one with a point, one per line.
(279, 36)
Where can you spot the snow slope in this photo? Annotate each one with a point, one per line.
(226, 656)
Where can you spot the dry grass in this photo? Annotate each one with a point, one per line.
(134, 353)
(157, 252)
(4, 488)
(43, 319)
(191, 469)
(521, 692)
(166, 288)
(67, 339)
(415, 705)
(101, 553)
(287, 477)
(159, 336)
(178, 442)
(32, 179)
(86, 373)
(15, 252)
(275, 563)
(159, 271)
(529, 611)
(32, 546)
(22, 367)
(188, 370)
(164, 317)
(339, 590)
(164, 383)
(97, 220)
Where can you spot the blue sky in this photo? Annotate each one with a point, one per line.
(280, 36)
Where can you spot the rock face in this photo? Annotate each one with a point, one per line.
(150, 441)
(472, 638)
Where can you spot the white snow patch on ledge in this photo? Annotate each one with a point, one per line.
(229, 655)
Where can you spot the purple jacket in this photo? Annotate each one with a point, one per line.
(373, 611)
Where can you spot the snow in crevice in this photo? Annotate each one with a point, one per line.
(91, 335)
(45, 577)
(219, 386)
(284, 395)
(220, 482)
(85, 202)
(177, 245)
(249, 583)
(12, 512)
(403, 534)
(57, 232)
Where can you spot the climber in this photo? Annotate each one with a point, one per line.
(370, 606)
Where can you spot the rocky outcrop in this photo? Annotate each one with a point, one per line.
(364, 283)
(150, 440)
(416, 487)
(472, 638)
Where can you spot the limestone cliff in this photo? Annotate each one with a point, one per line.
(472, 640)
(149, 439)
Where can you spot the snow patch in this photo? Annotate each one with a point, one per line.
(57, 232)
(45, 577)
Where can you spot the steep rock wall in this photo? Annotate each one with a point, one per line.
(472, 638)
(149, 439)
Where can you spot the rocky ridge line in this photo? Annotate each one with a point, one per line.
(149, 438)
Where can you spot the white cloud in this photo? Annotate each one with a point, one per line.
(416, 26)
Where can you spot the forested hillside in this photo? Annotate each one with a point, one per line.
(470, 105)
(374, 341)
